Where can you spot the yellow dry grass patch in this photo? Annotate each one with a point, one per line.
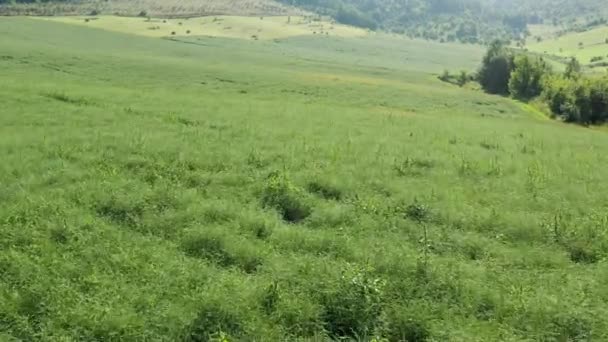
(217, 26)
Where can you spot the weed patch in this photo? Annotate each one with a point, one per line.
(325, 190)
(287, 199)
(354, 308)
(212, 322)
(413, 167)
(62, 97)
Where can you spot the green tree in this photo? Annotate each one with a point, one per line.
(556, 93)
(463, 78)
(496, 69)
(598, 100)
(573, 69)
(525, 80)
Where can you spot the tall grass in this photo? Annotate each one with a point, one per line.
(145, 196)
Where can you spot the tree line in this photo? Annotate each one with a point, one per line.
(468, 21)
(570, 95)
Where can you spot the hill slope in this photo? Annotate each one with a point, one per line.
(157, 8)
(464, 20)
(307, 189)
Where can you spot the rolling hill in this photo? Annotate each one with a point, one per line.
(157, 8)
(308, 188)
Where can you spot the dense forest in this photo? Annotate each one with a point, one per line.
(471, 21)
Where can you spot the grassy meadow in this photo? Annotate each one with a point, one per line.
(301, 189)
(589, 47)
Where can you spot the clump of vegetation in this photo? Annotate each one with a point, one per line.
(354, 307)
(418, 212)
(461, 79)
(413, 166)
(326, 190)
(569, 96)
(214, 322)
(403, 325)
(496, 69)
(286, 198)
(214, 246)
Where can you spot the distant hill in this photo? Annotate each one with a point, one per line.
(468, 21)
(168, 8)
(457, 20)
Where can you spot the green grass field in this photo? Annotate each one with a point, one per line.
(301, 189)
(585, 46)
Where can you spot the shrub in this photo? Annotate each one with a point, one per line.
(417, 212)
(355, 307)
(212, 321)
(300, 314)
(582, 253)
(402, 325)
(209, 245)
(143, 14)
(325, 190)
(573, 69)
(473, 250)
(413, 166)
(597, 59)
(173, 33)
(258, 227)
(226, 251)
(463, 78)
(283, 196)
(568, 327)
(270, 297)
(445, 76)
(525, 79)
(121, 210)
(496, 69)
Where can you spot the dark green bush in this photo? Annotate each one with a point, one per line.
(417, 212)
(326, 190)
(354, 308)
(404, 326)
(212, 321)
(283, 196)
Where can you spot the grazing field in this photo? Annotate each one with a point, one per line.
(309, 188)
(589, 47)
(218, 26)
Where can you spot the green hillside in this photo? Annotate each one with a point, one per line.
(590, 47)
(469, 21)
(309, 188)
(158, 8)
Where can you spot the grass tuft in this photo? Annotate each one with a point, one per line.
(287, 199)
